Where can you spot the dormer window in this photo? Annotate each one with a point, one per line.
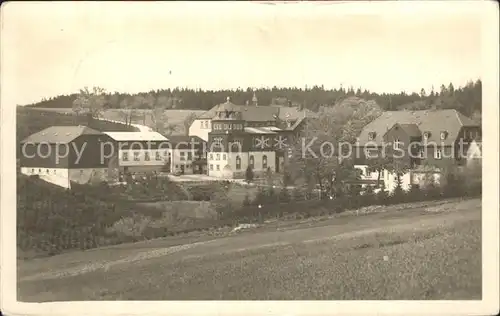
(427, 135)
(372, 135)
(397, 144)
(438, 154)
(444, 134)
(421, 154)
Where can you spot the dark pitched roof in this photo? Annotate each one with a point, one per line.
(433, 121)
(259, 113)
(411, 130)
(60, 134)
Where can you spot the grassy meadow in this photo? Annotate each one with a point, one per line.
(428, 252)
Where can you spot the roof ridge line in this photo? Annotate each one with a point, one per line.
(458, 117)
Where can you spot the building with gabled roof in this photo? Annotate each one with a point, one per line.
(253, 115)
(188, 154)
(65, 154)
(434, 138)
(241, 136)
(139, 152)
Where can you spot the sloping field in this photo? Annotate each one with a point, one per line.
(422, 253)
(143, 117)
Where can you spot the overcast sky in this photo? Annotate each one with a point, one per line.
(56, 48)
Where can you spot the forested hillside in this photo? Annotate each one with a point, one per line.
(466, 99)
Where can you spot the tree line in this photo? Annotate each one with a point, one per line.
(466, 99)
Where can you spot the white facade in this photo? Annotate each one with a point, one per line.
(63, 177)
(142, 157)
(201, 128)
(182, 160)
(234, 165)
(390, 179)
(474, 154)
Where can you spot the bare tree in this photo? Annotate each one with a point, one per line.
(321, 149)
(160, 121)
(188, 120)
(128, 108)
(90, 101)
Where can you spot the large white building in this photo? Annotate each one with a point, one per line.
(139, 151)
(239, 136)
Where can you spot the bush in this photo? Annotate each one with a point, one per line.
(287, 178)
(284, 195)
(296, 194)
(368, 197)
(415, 194)
(249, 175)
(398, 195)
(382, 198)
(246, 200)
(260, 196)
(455, 183)
(271, 196)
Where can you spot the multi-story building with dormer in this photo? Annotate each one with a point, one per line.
(239, 136)
(414, 139)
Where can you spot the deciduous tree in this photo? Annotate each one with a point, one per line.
(90, 101)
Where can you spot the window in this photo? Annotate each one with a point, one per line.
(54, 171)
(361, 172)
(217, 157)
(157, 155)
(371, 152)
(211, 156)
(251, 162)
(264, 162)
(223, 156)
(146, 156)
(39, 170)
(421, 154)
(437, 154)
(226, 126)
(371, 135)
(125, 156)
(136, 156)
(236, 144)
(176, 166)
(218, 167)
(238, 163)
(33, 170)
(211, 167)
(217, 141)
(190, 155)
(427, 135)
(48, 171)
(397, 144)
(444, 135)
(201, 124)
(183, 155)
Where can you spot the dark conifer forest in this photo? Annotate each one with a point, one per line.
(466, 99)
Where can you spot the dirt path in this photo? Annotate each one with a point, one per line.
(327, 232)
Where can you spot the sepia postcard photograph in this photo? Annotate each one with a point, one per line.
(253, 158)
